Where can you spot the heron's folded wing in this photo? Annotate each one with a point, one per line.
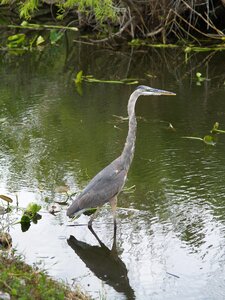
(103, 187)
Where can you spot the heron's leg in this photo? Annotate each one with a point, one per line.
(113, 203)
(114, 247)
(93, 217)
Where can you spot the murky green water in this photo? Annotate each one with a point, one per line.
(171, 232)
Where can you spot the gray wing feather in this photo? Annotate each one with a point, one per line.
(103, 187)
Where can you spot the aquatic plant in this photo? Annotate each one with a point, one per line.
(208, 139)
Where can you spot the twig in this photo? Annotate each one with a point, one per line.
(113, 35)
(207, 21)
(199, 31)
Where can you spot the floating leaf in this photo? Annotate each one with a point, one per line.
(25, 223)
(33, 208)
(16, 37)
(25, 219)
(209, 140)
(6, 198)
(216, 128)
(122, 81)
(29, 215)
(90, 78)
(16, 40)
(79, 77)
(199, 78)
(136, 42)
(36, 218)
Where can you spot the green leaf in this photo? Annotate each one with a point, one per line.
(216, 128)
(40, 40)
(209, 140)
(24, 219)
(55, 35)
(16, 40)
(25, 226)
(14, 292)
(36, 218)
(33, 208)
(16, 37)
(24, 23)
(29, 215)
(127, 81)
(79, 77)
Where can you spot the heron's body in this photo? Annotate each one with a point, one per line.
(102, 188)
(108, 183)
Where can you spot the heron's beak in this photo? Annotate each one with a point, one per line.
(157, 92)
(166, 93)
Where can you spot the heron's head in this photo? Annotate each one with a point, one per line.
(148, 91)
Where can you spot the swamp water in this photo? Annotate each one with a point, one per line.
(171, 216)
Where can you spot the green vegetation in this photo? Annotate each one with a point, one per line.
(90, 78)
(216, 129)
(24, 41)
(23, 282)
(209, 139)
(30, 215)
(102, 9)
(199, 78)
(162, 22)
(80, 78)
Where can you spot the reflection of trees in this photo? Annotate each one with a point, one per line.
(50, 133)
(137, 62)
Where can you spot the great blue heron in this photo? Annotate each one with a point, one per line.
(108, 183)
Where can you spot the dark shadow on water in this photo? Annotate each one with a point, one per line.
(104, 263)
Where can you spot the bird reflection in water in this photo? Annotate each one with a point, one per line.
(104, 263)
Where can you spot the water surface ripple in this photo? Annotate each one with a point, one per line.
(171, 223)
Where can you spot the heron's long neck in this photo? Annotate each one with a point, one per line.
(128, 150)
